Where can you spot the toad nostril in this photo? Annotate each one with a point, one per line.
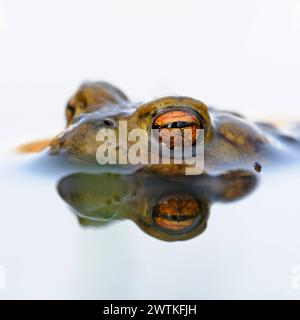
(109, 123)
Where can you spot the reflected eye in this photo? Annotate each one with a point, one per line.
(177, 213)
(168, 121)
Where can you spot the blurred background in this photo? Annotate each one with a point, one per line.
(239, 55)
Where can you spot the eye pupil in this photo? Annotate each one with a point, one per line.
(178, 124)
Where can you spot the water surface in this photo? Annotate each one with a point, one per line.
(250, 248)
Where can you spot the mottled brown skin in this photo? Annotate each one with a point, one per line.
(94, 106)
(167, 208)
(92, 96)
(231, 142)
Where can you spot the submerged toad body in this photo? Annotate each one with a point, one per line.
(230, 141)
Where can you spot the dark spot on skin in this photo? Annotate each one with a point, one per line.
(109, 123)
(257, 167)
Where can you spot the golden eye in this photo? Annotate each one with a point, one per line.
(169, 122)
(177, 213)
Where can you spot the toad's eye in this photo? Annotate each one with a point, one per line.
(178, 119)
(177, 213)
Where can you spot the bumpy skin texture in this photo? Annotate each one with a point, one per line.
(92, 96)
(231, 142)
(93, 107)
(167, 208)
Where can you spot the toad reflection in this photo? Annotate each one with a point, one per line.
(167, 208)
